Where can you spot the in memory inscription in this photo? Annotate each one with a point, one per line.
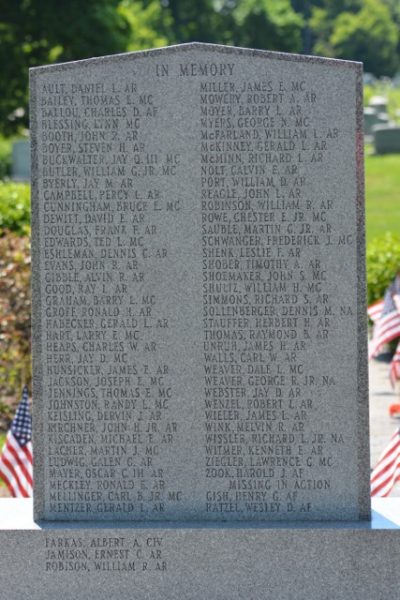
(198, 302)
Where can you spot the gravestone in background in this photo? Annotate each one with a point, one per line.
(199, 341)
(371, 118)
(21, 160)
(386, 139)
(379, 103)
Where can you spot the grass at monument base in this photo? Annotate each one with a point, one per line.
(382, 187)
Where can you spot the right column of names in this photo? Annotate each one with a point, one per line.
(267, 296)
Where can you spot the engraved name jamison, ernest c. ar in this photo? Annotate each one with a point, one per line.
(198, 288)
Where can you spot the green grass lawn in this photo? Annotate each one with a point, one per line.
(382, 186)
(382, 174)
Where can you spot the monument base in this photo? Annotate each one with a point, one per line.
(88, 561)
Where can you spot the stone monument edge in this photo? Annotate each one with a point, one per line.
(362, 333)
(37, 404)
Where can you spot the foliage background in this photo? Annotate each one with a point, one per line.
(15, 315)
(38, 32)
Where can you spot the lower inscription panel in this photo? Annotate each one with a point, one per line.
(228, 562)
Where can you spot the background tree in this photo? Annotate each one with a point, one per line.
(269, 25)
(357, 30)
(304, 8)
(36, 32)
(149, 22)
(200, 21)
(394, 8)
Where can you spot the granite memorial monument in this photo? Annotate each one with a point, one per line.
(199, 329)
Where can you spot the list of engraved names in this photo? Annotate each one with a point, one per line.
(109, 388)
(264, 302)
(190, 303)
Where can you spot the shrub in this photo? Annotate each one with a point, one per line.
(15, 317)
(15, 207)
(5, 157)
(383, 264)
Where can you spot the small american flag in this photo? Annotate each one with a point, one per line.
(16, 458)
(395, 367)
(387, 471)
(387, 324)
(375, 310)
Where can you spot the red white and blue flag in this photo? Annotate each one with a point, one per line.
(16, 457)
(386, 317)
(395, 367)
(375, 310)
(387, 472)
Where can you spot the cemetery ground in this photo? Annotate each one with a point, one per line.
(390, 92)
(382, 183)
